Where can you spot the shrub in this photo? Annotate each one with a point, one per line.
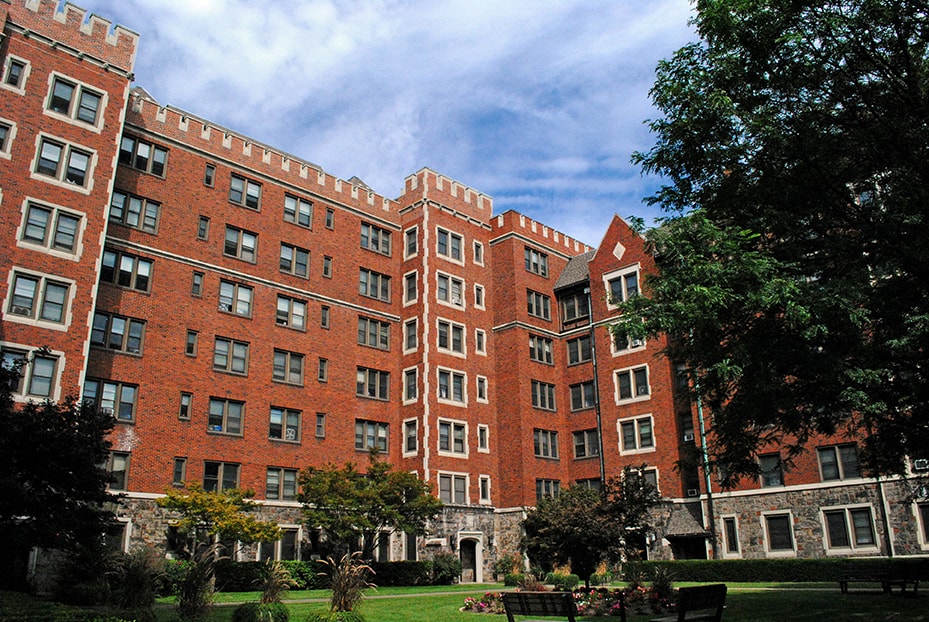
(347, 579)
(402, 573)
(446, 569)
(336, 616)
(169, 580)
(261, 612)
(232, 576)
(563, 582)
(529, 583)
(134, 579)
(307, 575)
(513, 579)
(751, 570)
(507, 564)
(601, 578)
(275, 582)
(195, 595)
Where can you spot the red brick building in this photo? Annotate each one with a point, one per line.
(244, 314)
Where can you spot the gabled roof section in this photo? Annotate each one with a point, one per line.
(576, 272)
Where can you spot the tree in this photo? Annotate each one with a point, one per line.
(346, 503)
(793, 273)
(582, 527)
(53, 485)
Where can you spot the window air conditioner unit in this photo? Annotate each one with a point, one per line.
(693, 492)
(20, 310)
(456, 300)
(689, 438)
(921, 464)
(636, 343)
(642, 389)
(225, 307)
(106, 411)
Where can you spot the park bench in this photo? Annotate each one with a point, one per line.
(888, 575)
(703, 602)
(551, 604)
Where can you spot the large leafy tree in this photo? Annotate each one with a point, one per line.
(582, 527)
(793, 262)
(347, 503)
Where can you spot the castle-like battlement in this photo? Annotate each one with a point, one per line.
(430, 184)
(87, 37)
(513, 221)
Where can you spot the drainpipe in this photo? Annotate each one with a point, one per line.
(705, 459)
(593, 357)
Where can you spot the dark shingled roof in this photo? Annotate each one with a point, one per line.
(686, 520)
(576, 272)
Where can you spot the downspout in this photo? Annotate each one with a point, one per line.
(705, 459)
(593, 356)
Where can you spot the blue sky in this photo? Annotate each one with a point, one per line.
(537, 103)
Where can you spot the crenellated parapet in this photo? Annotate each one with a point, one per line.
(513, 223)
(426, 184)
(194, 132)
(71, 29)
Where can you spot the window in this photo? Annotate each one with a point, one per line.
(779, 532)
(75, 101)
(839, 520)
(632, 384)
(179, 472)
(284, 424)
(451, 337)
(771, 470)
(15, 73)
(586, 444)
(287, 367)
(295, 260)
(635, 435)
(281, 484)
(113, 398)
(730, 536)
(622, 342)
(480, 341)
(481, 389)
(453, 437)
(324, 317)
(186, 403)
(140, 213)
(545, 443)
(540, 349)
(479, 296)
(219, 476)
(53, 228)
(117, 467)
(37, 372)
(235, 298)
(582, 395)
(64, 162)
(449, 290)
(116, 332)
(39, 298)
(143, 156)
(547, 488)
(225, 416)
(543, 395)
(375, 239)
(575, 310)
(196, 284)
(411, 243)
(448, 244)
(322, 370)
(838, 462)
(330, 218)
(622, 287)
(209, 175)
(483, 438)
(298, 211)
(374, 285)
(410, 436)
(240, 244)
(373, 333)
(230, 356)
(320, 425)
(410, 287)
(372, 383)
(451, 386)
(190, 347)
(370, 435)
(410, 335)
(290, 313)
(453, 488)
(410, 385)
(327, 266)
(126, 270)
(536, 262)
(579, 350)
(479, 253)
(539, 305)
(6, 137)
(244, 192)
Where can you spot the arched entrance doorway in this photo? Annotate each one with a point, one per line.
(468, 553)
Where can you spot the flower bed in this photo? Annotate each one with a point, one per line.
(593, 602)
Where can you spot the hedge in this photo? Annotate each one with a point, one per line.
(751, 570)
(401, 573)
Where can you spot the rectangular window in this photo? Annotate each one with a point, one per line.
(481, 389)
(179, 472)
(849, 528)
(196, 285)
(453, 488)
(410, 385)
(632, 384)
(575, 310)
(451, 386)
(448, 244)
(37, 373)
(547, 488)
(538, 305)
(543, 395)
(622, 342)
(450, 290)
(586, 444)
(295, 260)
(285, 424)
(64, 162)
(75, 101)
(115, 332)
(230, 356)
(771, 470)
(235, 298)
(143, 156)
(322, 370)
(410, 335)
(410, 436)
(225, 416)
(298, 211)
(410, 287)
(451, 337)
(579, 350)
(372, 383)
(622, 287)
(779, 532)
(582, 395)
(320, 425)
(479, 253)
(480, 341)
(209, 175)
(374, 285)
(375, 239)
(290, 313)
(536, 262)
(453, 437)
(540, 349)
(373, 333)
(39, 298)
(15, 73)
(126, 270)
(244, 192)
(838, 462)
(411, 243)
(141, 213)
(288, 367)
(731, 535)
(324, 317)
(240, 244)
(281, 484)
(370, 435)
(479, 296)
(545, 443)
(186, 403)
(219, 476)
(330, 218)
(50, 227)
(117, 467)
(636, 435)
(6, 137)
(112, 398)
(483, 438)
(327, 266)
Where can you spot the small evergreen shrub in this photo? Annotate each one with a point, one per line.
(261, 612)
(446, 569)
(513, 579)
(336, 616)
(306, 574)
(402, 573)
(562, 582)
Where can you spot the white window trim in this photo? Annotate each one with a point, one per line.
(767, 537)
(483, 297)
(104, 99)
(464, 338)
(449, 303)
(22, 398)
(410, 301)
(473, 254)
(486, 429)
(91, 164)
(477, 395)
(406, 452)
(10, 137)
(414, 323)
(636, 398)
(405, 233)
(449, 258)
(79, 235)
(638, 450)
(609, 276)
(632, 348)
(489, 499)
(27, 69)
(851, 548)
(407, 399)
(69, 303)
(279, 541)
(724, 543)
(476, 341)
(464, 387)
(448, 452)
(454, 474)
